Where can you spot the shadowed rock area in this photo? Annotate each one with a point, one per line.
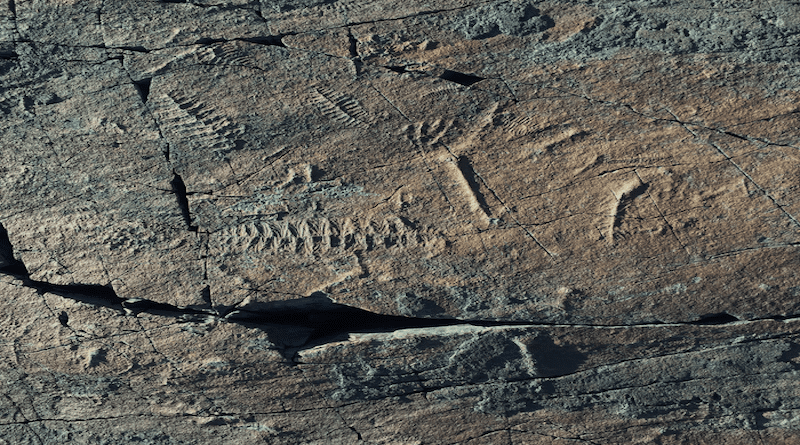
(381, 222)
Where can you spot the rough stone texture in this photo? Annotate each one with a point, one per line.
(334, 221)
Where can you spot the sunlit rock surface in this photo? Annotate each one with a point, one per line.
(471, 222)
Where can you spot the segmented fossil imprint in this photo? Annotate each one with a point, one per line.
(318, 236)
(187, 120)
(341, 108)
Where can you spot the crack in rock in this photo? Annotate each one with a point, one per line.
(310, 321)
(482, 220)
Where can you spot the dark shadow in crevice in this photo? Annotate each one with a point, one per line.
(715, 319)
(101, 296)
(303, 323)
(63, 319)
(397, 69)
(136, 49)
(179, 189)
(266, 40)
(738, 136)
(143, 87)
(328, 319)
(306, 319)
(90, 293)
(207, 41)
(352, 45)
(353, 50)
(263, 40)
(465, 165)
(625, 201)
(791, 355)
(291, 324)
(636, 192)
(460, 78)
(95, 294)
(9, 265)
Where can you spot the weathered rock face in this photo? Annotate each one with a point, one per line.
(399, 222)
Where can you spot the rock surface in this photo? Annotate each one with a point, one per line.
(335, 221)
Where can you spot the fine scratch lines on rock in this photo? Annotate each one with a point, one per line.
(351, 13)
(752, 181)
(87, 419)
(702, 365)
(750, 249)
(416, 145)
(664, 217)
(422, 136)
(685, 124)
(739, 168)
(323, 9)
(480, 180)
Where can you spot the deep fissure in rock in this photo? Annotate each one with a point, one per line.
(179, 188)
(716, 319)
(323, 319)
(397, 69)
(136, 49)
(460, 78)
(267, 40)
(143, 87)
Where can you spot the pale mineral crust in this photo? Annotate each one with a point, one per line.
(383, 222)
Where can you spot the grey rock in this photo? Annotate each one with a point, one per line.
(515, 18)
(388, 222)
